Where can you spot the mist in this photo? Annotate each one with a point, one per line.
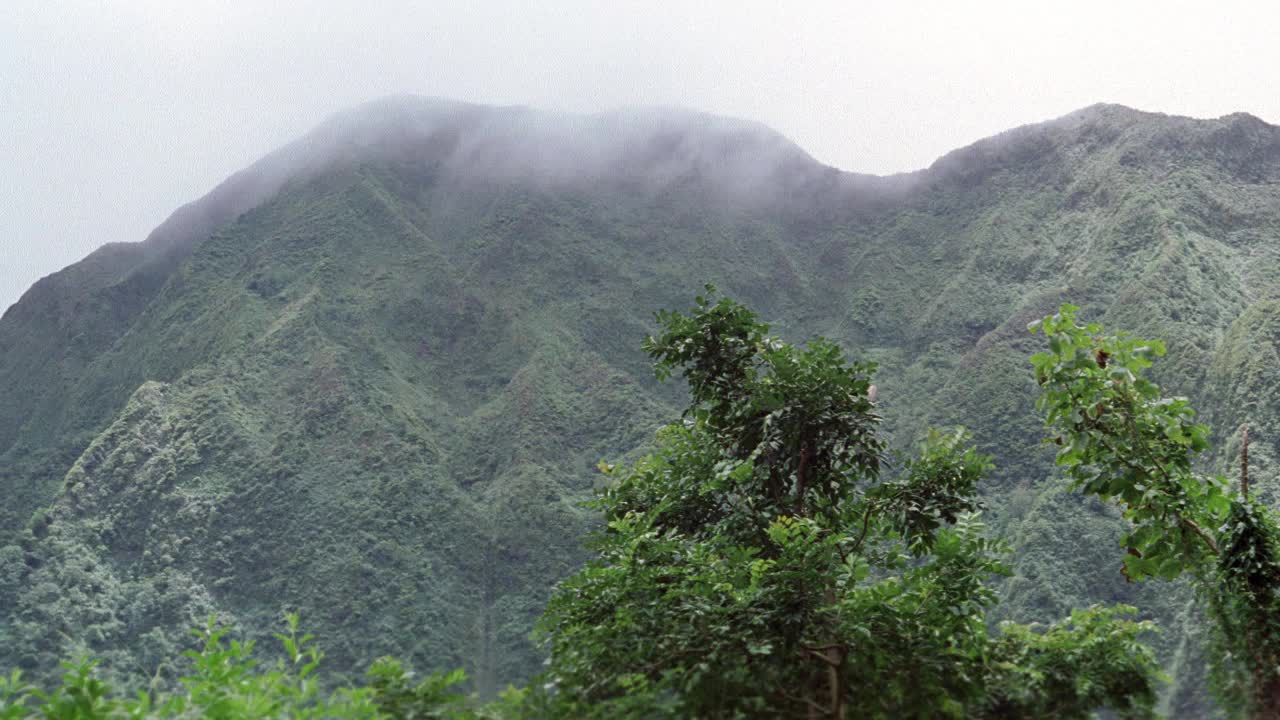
(118, 113)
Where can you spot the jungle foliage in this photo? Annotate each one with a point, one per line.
(766, 561)
(227, 680)
(385, 361)
(1121, 439)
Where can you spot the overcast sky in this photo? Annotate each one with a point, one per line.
(114, 113)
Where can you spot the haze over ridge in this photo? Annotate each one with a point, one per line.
(427, 312)
(118, 112)
(563, 123)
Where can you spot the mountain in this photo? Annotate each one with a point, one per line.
(369, 377)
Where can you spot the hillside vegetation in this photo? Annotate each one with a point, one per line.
(370, 378)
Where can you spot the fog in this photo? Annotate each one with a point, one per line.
(115, 113)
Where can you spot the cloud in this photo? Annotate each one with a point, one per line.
(118, 112)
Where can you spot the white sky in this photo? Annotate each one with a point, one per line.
(112, 114)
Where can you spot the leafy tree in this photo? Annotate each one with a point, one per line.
(1121, 439)
(763, 562)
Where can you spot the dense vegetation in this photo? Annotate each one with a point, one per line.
(226, 681)
(755, 565)
(759, 565)
(1122, 439)
(370, 379)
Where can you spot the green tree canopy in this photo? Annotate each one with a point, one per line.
(1121, 439)
(765, 560)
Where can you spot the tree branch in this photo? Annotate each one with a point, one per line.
(1191, 525)
(1244, 463)
(1187, 522)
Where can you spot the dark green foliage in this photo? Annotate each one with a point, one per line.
(798, 421)
(1244, 602)
(938, 487)
(227, 680)
(399, 347)
(755, 565)
(1071, 668)
(398, 696)
(1122, 439)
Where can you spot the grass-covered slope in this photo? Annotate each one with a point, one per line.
(373, 384)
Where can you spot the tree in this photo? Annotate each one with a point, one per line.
(1121, 439)
(764, 561)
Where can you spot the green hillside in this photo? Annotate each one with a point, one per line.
(369, 378)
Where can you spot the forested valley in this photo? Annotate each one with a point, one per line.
(447, 410)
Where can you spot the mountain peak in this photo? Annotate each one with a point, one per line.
(647, 144)
(1240, 144)
(395, 350)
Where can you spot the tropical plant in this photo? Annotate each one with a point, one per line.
(228, 682)
(763, 561)
(1121, 439)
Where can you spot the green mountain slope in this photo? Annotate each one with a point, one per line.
(369, 378)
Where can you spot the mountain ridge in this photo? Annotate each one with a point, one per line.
(397, 370)
(223, 202)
